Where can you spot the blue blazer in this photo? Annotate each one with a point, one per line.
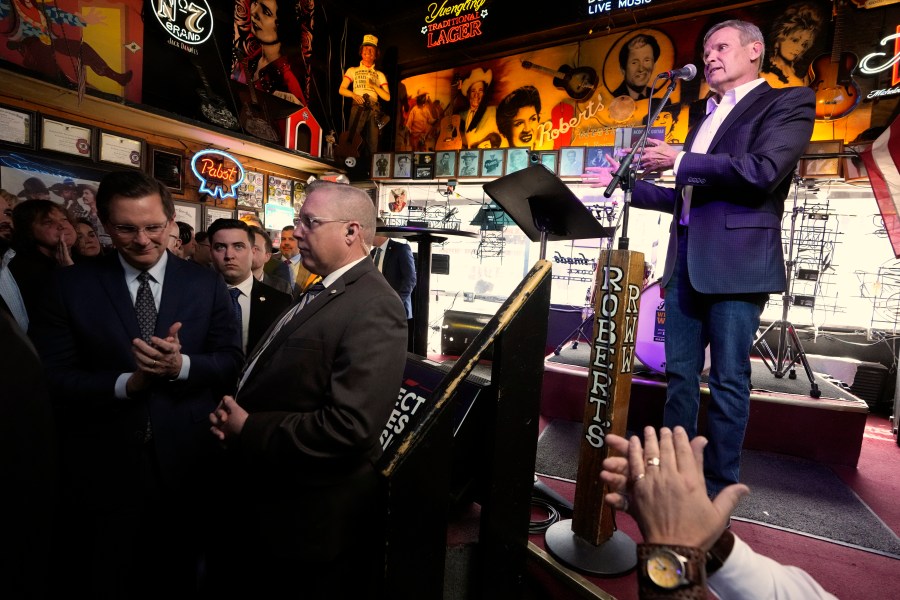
(399, 269)
(84, 335)
(737, 201)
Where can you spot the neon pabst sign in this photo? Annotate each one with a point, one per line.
(448, 23)
(219, 173)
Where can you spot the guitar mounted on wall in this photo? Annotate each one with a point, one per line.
(449, 136)
(831, 76)
(578, 82)
(212, 106)
(349, 142)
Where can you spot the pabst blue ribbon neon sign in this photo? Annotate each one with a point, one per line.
(219, 173)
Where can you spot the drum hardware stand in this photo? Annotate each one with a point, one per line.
(785, 359)
(587, 312)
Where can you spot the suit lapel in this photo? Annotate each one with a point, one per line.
(739, 109)
(172, 293)
(112, 279)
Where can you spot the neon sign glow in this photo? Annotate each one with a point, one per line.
(219, 173)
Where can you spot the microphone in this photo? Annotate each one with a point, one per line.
(687, 72)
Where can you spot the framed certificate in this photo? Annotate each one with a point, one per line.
(120, 150)
(66, 137)
(211, 214)
(167, 166)
(17, 126)
(189, 213)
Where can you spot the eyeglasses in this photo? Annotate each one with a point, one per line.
(309, 223)
(134, 231)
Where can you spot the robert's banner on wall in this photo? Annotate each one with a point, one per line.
(579, 94)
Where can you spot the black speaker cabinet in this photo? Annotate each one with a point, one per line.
(459, 329)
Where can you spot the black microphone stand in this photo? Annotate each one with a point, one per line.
(625, 175)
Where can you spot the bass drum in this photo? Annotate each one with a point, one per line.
(650, 346)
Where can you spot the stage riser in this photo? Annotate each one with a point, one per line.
(825, 430)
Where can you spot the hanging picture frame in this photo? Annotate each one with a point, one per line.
(167, 166)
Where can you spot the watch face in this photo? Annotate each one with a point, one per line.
(666, 570)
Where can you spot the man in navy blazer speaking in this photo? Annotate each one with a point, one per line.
(724, 256)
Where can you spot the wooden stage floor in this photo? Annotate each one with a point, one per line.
(784, 417)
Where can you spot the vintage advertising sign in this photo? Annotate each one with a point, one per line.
(219, 173)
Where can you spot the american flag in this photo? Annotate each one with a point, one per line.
(882, 162)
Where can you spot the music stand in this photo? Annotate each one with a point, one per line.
(544, 208)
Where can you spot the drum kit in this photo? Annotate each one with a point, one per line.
(650, 342)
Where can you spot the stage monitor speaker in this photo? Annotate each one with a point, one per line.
(459, 329)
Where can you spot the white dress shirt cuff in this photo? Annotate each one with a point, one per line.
(678, 161)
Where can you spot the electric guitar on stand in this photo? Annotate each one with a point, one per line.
(831, 77)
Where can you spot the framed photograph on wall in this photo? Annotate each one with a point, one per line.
(423, 165)
(469, 163)
(381, 165)
(550, 159)
(598, 156)
(66, 137)
(571, 162)
(829, 165)
(516, 160)
(445, 164)
(248, 216)
(17, 126)
(122, 150)
(251, 191)
(168, 167)
(492, 162)
(189, 213)
(402, 165)
(211, 214)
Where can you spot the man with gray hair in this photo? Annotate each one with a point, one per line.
(304, 425)
(724, 256)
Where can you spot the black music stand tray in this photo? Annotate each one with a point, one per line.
(544, 208)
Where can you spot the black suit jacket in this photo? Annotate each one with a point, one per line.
(739, 187)
(84, 337)
(319, 397)
(266, 304)
(399, 268)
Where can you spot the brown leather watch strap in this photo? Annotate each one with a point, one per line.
(694, 572)
(719, 553)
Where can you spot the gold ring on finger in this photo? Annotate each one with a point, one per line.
(653, 462)
(638, 477)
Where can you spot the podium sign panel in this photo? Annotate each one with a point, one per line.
(620, 274)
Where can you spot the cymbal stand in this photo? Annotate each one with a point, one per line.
(790, 350)
(587, 313)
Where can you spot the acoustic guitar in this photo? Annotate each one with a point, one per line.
(578, 82)
(448, 132)
(349, 142)
(831, 77)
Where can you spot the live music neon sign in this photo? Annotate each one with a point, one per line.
(448, 23)
(219, 173)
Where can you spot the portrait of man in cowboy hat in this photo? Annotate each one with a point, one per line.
(34, 189)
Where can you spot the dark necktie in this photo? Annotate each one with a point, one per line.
(236, 307)
(145, 307)
(376, 255)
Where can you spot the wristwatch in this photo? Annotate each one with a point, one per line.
(671, 572)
